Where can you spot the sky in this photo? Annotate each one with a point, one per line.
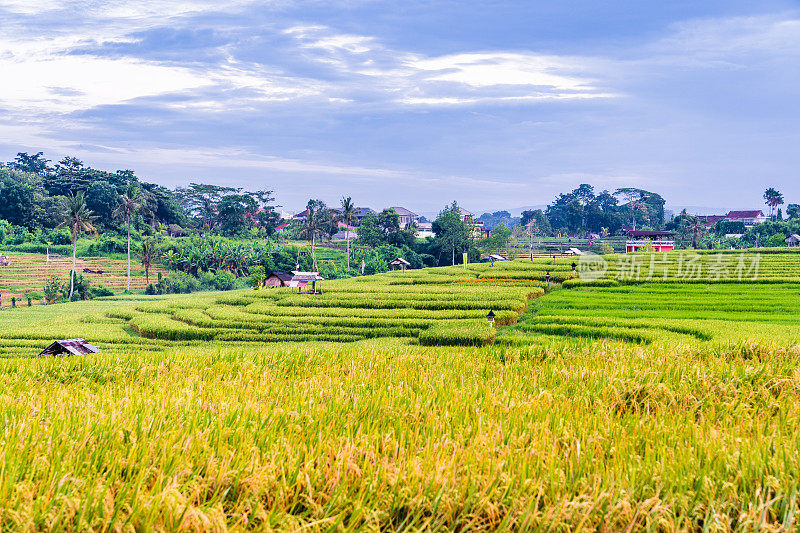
(494, 104)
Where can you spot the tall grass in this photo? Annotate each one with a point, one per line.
(382, 436)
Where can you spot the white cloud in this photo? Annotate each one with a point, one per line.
(121, 9)
(501, 68)
(69, 83)
(730, 41)
(454, 79)
(28, 7)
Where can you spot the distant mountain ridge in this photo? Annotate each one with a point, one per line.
(705, 210)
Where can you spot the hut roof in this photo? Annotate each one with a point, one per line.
(283, 276)
(399, 261)
(70, 346)
(649, 233)
(306, 276)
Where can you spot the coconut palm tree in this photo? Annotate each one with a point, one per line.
(347, 215)
(79, 221)
(131, 202)
(694, 225)
(148, 254)
(315, 224)
(773, 198)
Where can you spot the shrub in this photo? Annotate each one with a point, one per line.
(107, 244)
(223, 280)
(100, 291)
(52, 288)
(81, 289)
(59, 237)
(256, 276)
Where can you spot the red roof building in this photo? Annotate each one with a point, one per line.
(749, 218)
(657, 241)
(710, 220)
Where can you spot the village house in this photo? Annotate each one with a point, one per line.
(748, 218)
(477, 229)
(657, 241)
(793, 240)
(358, 214)
(278, 279)
(710, 220)
(408, 219)
(424, 230)
(361, 212)
(345, 232)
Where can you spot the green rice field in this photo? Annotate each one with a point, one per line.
(388, 403)
(28, 273)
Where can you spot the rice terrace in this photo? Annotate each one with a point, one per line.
(600, 404)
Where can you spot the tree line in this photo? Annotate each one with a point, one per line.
(584, 211)
(34, 193)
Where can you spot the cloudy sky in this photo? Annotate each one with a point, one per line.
(497, 104)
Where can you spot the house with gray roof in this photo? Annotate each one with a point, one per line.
(407, 218)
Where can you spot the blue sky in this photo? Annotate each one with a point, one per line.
(496, 104)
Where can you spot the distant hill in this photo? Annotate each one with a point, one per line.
(705, 210)
(517, 211)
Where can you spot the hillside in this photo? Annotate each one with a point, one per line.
(28, 273)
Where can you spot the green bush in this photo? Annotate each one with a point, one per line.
(59, 237)
(223, 281)
(97, 292)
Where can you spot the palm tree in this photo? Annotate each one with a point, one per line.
(131, 202)
(316, 212)
(773, 198)
(79, 220)
(694, 225)
(348, 214)
(148, 255)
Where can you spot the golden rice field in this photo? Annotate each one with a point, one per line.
(28, 273)
(389, 404)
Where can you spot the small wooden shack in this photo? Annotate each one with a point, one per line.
(302, 279)
(793, 240)
(399, 262)
(70, 347)
(278, 279)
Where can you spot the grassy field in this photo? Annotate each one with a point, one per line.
(387, 403)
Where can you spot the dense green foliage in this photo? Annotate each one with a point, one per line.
(33, 194)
